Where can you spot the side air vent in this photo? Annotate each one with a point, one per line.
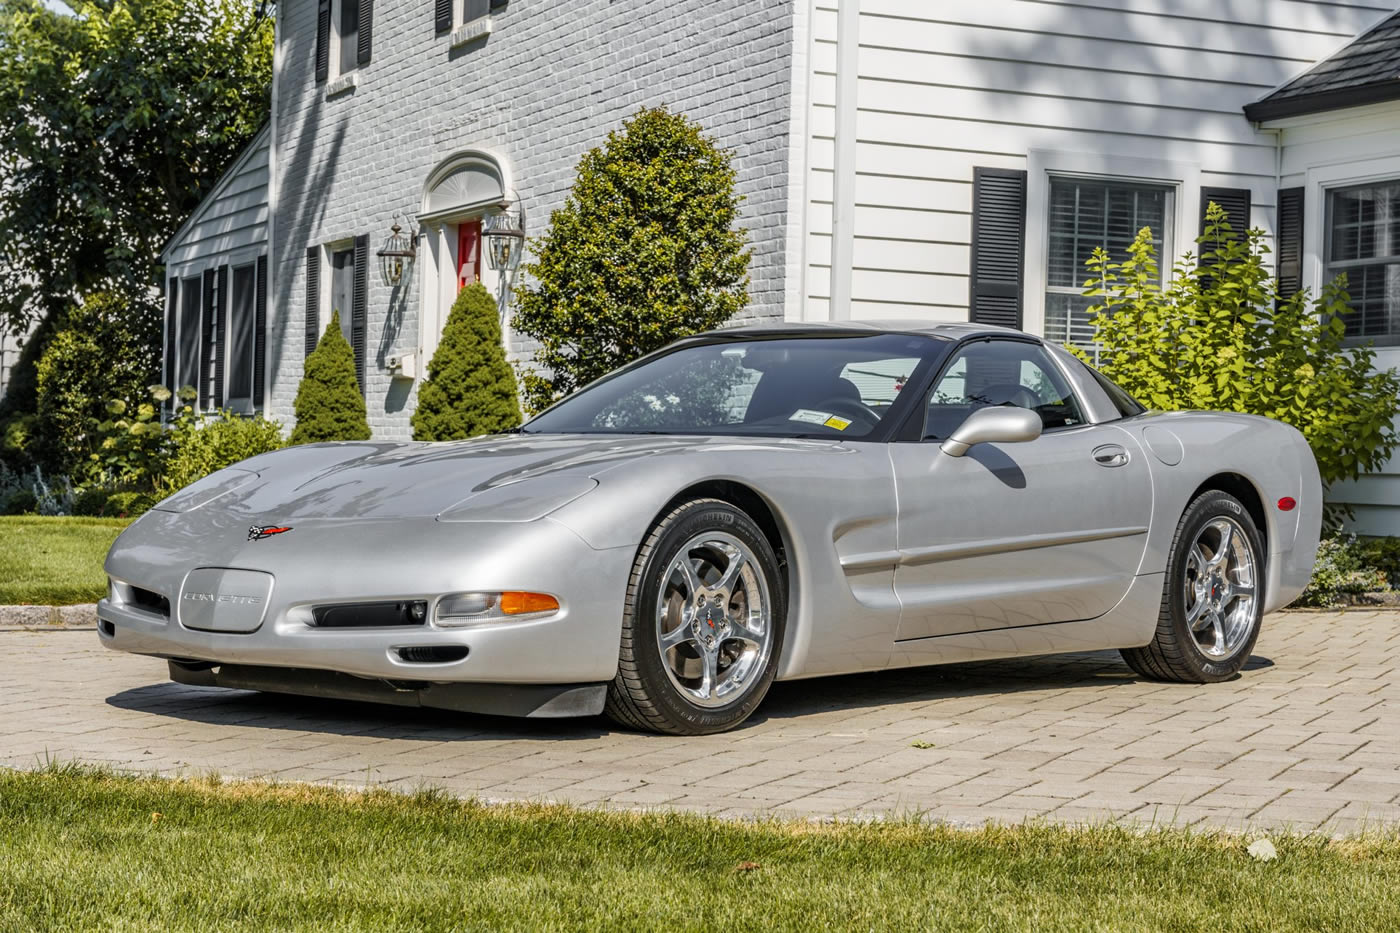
(371, 615)
(149, 601)
(435, 654)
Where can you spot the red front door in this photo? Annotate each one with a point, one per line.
(468, 253)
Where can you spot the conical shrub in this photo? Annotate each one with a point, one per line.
(329, 406)
(470, 389)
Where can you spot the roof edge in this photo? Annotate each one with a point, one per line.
(1261, 111)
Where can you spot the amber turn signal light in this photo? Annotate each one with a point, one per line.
(1287, 503)
(514, 604)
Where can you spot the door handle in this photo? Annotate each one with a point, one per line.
(1110, 455)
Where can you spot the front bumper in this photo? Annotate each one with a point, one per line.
(324, 563)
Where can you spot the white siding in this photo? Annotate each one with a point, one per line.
(1338, 148)
(232, 221)
(943, 87)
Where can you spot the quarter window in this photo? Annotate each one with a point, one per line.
(1000, 372)
(1363, 241)
(1088, 213)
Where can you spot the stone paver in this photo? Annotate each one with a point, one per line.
(1308, 738)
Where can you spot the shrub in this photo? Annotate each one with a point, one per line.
(1218, 337)
(470, 389)
(1343, 571)
(28, 491)
(103, 348)
(127, 504)
(643, 252)
(199, 447)
(20, 502)
(133, 444)
(90, 500)
(17, 435)
(329, 406)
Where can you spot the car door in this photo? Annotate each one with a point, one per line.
(1049, 530)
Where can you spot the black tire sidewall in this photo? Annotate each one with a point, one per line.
(705, 516)
(1205, 509)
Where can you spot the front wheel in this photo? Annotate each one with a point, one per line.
(1213, 598)
(703, 623)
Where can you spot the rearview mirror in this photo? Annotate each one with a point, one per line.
(994, 425)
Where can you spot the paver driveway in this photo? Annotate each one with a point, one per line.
(1306, 738)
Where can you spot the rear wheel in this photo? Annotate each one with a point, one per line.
(703, 624)
(1212, 601)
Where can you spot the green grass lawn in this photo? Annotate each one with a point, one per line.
(85, 850)
(54, 561)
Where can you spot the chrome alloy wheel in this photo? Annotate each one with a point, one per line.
(713, 620)
(1220, 588)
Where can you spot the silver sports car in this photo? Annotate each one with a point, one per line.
(747, 505)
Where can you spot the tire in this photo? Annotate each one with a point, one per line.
(734, 631)
(1212, 607)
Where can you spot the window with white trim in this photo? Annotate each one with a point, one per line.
(1363, 241)
(1086, 213)
(345, 15)
(242, 337)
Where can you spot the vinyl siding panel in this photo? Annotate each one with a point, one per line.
(944, 88)
(233, 219)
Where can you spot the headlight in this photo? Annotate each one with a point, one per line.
(523, 501)
(465, 609)
(205, 490)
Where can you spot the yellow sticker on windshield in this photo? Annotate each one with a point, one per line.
(839, 424)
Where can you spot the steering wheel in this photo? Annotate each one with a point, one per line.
(1011, 393)
(850, 406)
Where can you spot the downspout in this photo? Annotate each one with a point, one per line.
(843, 201)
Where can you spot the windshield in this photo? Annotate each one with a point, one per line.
(842, 387)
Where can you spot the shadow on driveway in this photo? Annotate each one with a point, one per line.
(789, 701)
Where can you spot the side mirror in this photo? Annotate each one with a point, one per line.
(994, 425)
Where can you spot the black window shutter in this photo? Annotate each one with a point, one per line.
(221, 351)
(207, 351)
(260, 334)
(1290, 242)
(998, 246)
(323, 40)
(172, 314)
(313, 298)
(366, 31)
(359, 304)
(1235, 201)
(442, 16)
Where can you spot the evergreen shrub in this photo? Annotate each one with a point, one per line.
(329, 405)
(470, 389)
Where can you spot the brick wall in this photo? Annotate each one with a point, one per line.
(545, 86)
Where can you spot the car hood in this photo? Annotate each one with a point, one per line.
(380, 480)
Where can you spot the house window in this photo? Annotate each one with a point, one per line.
(187, 369)
(1088, 213)
(347, 30)
(475, 9)
(241, 338)
(343, 288)
(1363, 241)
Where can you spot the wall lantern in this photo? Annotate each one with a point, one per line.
(505, 239)
(397, 255)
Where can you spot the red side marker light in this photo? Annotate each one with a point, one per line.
(1287, 503)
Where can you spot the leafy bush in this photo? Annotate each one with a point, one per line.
(28, 491)
(643, 252)
(1217, 337)
(329, 406)
(17, 436)
(1343, 571)
(127, 504)
(90, 500)
(470, 389)
(199, 447)
(103, 348)
(133, 445)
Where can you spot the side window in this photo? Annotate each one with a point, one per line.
(1000, 372)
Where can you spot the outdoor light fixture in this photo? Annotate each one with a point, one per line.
(397, 255)
(505, 239)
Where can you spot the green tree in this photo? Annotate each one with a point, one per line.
(329, 406)
(1217, 337)
(115, 121)
(470, 389)
(644, 251)
(103, 349)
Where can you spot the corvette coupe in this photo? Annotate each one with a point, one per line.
(752, 504)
